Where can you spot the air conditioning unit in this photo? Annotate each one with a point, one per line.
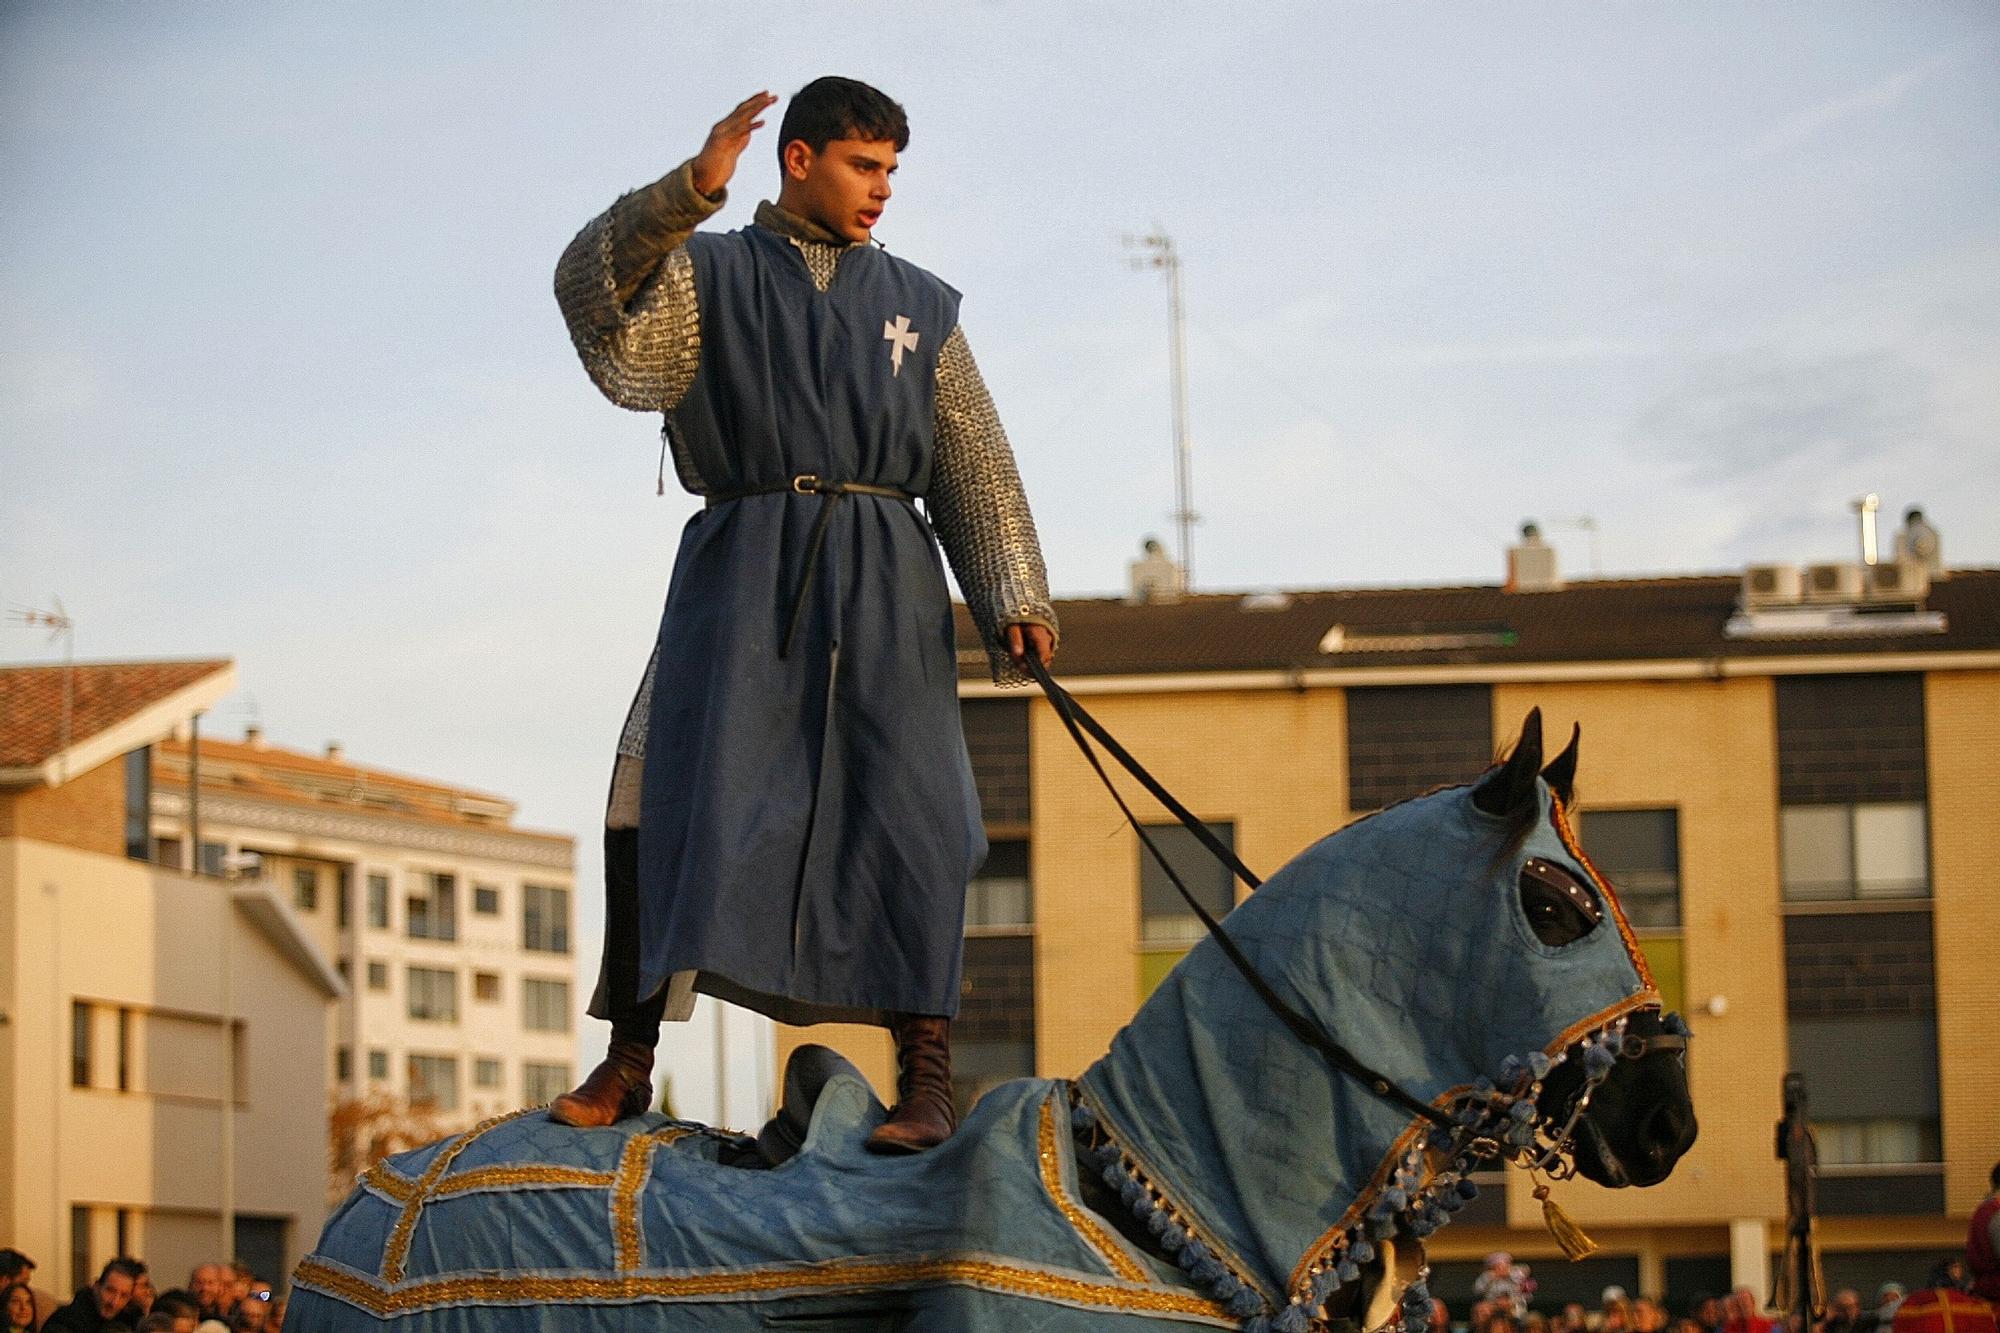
(1770, 585)
(1826, 584)
(1898, 581)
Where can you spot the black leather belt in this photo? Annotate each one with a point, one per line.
(830, 493)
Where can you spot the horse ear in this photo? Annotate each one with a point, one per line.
(1561, 772)
(1510, 788)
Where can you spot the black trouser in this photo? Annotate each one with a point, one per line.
(632, 1019)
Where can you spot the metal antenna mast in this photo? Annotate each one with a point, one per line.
(1156, 250)
(60, 626)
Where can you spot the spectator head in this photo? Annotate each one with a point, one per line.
(1887, 1297)
(1687, 1325)
(176, 1299)
(1707, 1310)
(250, 1317)
(1847, 1304)
(1573, 1314)
(209, 1285)
(1502, 1322)
(143, 1293)
(1498, 1261)
(1480, 1313)
(1609, 1297)
(17, 1306)
(1742, 1304)
(240, 1276)
(161, 1322)
(16, 1267)
(113, 1289)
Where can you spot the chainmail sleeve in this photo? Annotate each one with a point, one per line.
(626, 288)
(980, 511)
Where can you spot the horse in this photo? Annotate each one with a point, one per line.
(1445, 984)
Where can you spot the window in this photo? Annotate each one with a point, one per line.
(378, 902)
(486, 1072)
(346, 969)
(213, 854)
(305, 888)
(79, 1044)
(343, 1063)
(124, 1053)
(433, 907)
(544, 918)
(343, 894)
(378, 1064)
(168, 852)
(378, 975)
(542, 1083)
(544, 1005)
(433, 994)
(139, 803)
(1849, 852)
(999, 895)
(1164, 919)
(1639, 852)
(485, 900)
(434, 1081)
(486, 986)
(1882, 1142)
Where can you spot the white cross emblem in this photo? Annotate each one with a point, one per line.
(901, 338)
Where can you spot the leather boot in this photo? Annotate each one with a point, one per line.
(924, 1116)
(620, 1086)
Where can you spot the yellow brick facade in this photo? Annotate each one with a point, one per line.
(1962, 723)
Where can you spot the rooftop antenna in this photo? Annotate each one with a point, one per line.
(1156, 250)
(60, 626)
(1586, 524)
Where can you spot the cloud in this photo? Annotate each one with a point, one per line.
(1878, 96)
(1745, 416)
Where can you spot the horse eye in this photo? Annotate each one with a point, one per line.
(1560, 907)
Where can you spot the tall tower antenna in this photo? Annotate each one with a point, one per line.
(1156, 250)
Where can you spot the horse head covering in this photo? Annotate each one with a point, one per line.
(1274, 1177)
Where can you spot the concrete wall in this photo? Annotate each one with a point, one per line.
(181, 961)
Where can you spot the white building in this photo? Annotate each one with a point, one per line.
(453, 927)
(152, 1096)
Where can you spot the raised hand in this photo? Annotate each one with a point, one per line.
(716, 162)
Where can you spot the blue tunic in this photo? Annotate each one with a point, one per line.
(808, 821)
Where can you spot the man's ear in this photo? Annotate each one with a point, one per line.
(798, 159)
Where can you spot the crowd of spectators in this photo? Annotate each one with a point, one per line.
(1503, 1301)
(218, 1298)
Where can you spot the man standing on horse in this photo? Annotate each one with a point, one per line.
(792, 820)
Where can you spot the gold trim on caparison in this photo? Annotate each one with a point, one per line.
(635, 1166)
(1093, 1234)
(832, 1275)
(397, 1252)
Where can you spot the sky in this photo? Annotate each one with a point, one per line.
(282, 378)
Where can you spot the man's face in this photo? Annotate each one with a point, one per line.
(1848, 1305)
(113, 1290)
(844, 186)
(205, 1285)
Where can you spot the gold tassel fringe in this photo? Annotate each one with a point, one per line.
(1575, 1245)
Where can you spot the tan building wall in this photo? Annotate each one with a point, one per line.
(1962, 717)
(186, 965)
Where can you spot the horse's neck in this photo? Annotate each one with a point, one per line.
(1244, 1130)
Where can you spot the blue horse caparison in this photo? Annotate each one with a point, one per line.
(1267, 1179)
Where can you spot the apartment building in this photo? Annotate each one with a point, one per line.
(1792, 775)
(153, 1096)
(452, 927)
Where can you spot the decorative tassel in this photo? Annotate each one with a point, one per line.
(661, 486)
(1575, 1245)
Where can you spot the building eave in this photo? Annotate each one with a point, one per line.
(276, 922)
(150, 724)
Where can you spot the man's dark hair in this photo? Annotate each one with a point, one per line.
(12, 1263)
(836, 108)
(177, 1302)
(131, 1268)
